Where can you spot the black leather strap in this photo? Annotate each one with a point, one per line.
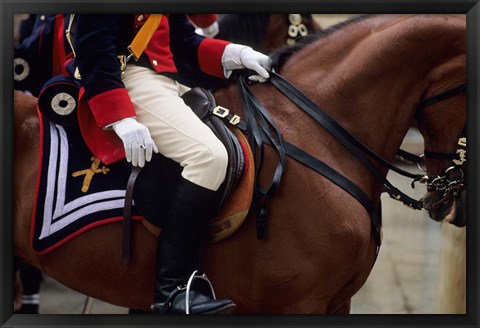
(408, 157)
(354, 145)
(441, 156)
(443, 96)
(261, 126)
(350, 142)
(127, 214)
(258, 136)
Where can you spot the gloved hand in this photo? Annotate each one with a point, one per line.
(209, 31)
(137, 141)
(236, 56)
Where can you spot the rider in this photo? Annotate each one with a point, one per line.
(142, 105)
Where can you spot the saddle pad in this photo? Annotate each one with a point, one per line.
(75, 191)
(235, 210)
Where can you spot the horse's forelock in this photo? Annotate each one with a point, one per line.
(281, 55)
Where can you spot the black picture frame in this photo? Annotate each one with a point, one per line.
(10, 7)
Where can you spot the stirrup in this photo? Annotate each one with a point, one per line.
(201, 276)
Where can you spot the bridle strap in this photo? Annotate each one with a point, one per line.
(412, 158)
(415, 159)
(428, 102)
(443, 96)
(408, 157)
(440, 155)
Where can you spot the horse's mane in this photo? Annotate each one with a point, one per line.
(280, 56)
(243, 28)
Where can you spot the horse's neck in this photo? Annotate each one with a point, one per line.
(370, 76)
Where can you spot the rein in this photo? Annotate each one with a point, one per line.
(266, 132)
(451, 182)
(350, 142)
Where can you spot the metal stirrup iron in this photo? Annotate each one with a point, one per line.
(196, 275)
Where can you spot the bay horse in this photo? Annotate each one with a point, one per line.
(370, 76)
(265, 32)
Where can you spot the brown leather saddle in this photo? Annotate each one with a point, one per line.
(160, 176)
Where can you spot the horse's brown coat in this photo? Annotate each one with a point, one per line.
(369, 76)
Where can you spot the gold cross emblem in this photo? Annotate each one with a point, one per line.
(89, 173)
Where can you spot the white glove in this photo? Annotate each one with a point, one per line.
(210, 31)
(136, 139)
(236, 56)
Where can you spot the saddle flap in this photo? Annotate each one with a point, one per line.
(158, 176)
(236, 207)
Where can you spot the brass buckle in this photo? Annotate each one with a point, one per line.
(221, 111)
(224, 112)
(234, 120)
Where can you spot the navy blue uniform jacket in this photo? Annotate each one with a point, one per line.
(100, 38)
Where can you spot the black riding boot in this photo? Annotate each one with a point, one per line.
(178, 251)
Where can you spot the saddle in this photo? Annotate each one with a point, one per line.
(235, 193)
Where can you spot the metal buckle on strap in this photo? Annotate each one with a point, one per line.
(221, 111)
(131, 54)
(224, 112)
(234, 120)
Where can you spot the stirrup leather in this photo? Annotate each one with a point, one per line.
(164, 307)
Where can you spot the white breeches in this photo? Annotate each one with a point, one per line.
(178, 133)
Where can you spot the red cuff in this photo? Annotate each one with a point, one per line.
(203, 20)
(210, 53)
(111, 106)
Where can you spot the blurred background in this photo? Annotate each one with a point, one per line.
(420, 268)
